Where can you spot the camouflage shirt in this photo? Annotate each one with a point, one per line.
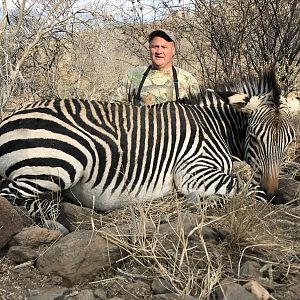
(158, 86)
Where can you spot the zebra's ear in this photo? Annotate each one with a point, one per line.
(252, 104)
(235, 99)
(293, 104)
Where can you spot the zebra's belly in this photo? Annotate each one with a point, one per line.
(106, 199)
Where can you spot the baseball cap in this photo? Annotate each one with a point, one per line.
(166, 34)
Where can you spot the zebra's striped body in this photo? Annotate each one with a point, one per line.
(104, 155)
(115, 153)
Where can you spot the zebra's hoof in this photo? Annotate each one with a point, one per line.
(258, 194)
(53, 225)
(193, 198)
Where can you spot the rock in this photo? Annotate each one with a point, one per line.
(288, 189)
(55, 225)
(138, 289)
(27, 221)
(34, 236)
(80, 217)
(100, 293)
(224, 234)
(210, 235)
(56, 280)
(161, 286)
(51, 293)
(20, 254)
(79, 256)
(10, 222)
(294, 290)
(86, 294)
(169, 296)
(256, 289)
(250, 269)
(189, 223)
(233, 291)
(253, 270)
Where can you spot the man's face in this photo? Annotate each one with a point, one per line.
(161, 53)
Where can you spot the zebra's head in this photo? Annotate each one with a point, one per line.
(268, 135)
(269, 130)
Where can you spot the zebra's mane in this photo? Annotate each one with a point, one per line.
(205, 97)
(254, 85)
(243, 89)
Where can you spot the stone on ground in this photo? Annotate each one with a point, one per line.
(256, 289)
(20, 254)
(233, 291)
(10, 222)
(35, 236)
(79, 256)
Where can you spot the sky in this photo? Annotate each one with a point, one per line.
(111, 6)
(83, 3)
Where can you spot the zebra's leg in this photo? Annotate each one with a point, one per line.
(258, 193)
(43, 208)
(204, 182)
(214, 182)
(212, 201)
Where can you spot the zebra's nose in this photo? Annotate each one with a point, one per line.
(269, 183)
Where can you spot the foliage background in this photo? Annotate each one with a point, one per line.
(71, 48)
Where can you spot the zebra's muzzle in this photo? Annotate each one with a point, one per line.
(269, 182)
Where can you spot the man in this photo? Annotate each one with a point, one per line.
(161, 81)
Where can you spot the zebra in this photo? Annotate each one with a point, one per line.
(104, 155)
(270, 113)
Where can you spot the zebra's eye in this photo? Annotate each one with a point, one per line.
(251, 134)
(253, 137)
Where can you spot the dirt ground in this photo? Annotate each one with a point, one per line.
(267, 234)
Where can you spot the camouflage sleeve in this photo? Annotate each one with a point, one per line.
(194, 88)
(122, 92)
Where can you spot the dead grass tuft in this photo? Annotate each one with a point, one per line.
(184, 258)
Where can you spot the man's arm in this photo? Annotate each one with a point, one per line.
(123, 91)
(194, 88)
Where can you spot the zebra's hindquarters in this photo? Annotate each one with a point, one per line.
(39, 154)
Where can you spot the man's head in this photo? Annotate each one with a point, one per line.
(162, 49)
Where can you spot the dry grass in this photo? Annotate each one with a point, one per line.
(184, 257)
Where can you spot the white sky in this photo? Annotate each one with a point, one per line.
(83, 3)
(152, 9)
(10, 3)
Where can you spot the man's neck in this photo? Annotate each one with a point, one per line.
(166, 68)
